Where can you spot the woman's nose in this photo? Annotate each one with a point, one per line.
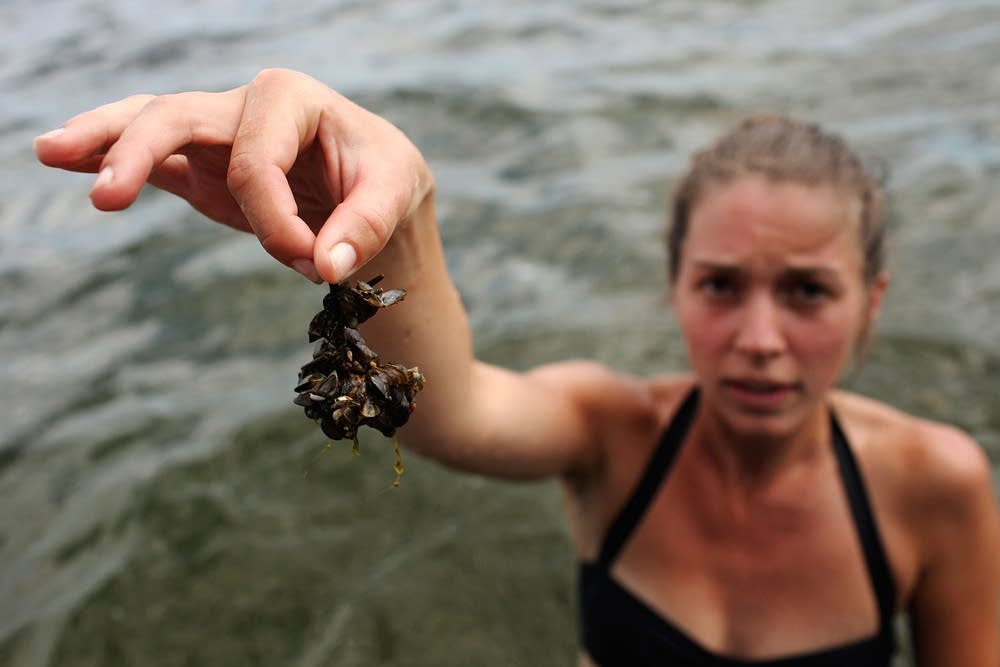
(760, 333)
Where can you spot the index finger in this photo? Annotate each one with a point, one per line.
(81, 142)
(274, 128)
(163, 126)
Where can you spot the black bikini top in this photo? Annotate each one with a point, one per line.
(619, 629)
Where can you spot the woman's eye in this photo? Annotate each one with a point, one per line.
(809, 292)
(717, 286)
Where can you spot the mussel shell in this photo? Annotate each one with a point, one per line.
(319, 366)
(343, 386)
(330, 386)
(309, 382)
(336, 431)
(321, 325)
(392, 296)
(379, 382)
(364, 352)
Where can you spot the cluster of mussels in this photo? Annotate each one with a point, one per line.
(345, 386)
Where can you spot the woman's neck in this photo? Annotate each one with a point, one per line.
(755, 461)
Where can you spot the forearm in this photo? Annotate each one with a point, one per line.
(428, 329)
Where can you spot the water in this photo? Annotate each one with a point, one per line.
(163, 503)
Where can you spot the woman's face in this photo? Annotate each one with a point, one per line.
(771, 299)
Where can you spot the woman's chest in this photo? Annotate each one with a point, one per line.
(773, 575)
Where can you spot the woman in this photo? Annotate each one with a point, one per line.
(748, 513)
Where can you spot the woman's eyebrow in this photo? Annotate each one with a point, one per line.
(810, 272)
(791, 273)
(716, 265)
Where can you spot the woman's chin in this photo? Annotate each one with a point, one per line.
(753, 423)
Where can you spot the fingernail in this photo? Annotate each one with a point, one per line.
(51, 134)
(307, 268)
(343, 258)
(104, 178)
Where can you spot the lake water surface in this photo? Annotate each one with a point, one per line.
(162, 502)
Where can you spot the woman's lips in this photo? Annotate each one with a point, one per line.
(760, 395)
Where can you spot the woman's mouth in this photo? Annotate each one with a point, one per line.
(759, 394)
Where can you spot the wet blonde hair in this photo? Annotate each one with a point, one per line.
(781, 149)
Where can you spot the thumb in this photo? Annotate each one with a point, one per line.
(356, 231)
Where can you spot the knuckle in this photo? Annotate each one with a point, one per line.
(136, 101)
(241, 172)
(274, 75)
(171, 112)
(270, 242)
(160, 103)
(275, 241)
(267, 74)
(379, 224)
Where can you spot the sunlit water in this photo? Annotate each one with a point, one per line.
(161, 500)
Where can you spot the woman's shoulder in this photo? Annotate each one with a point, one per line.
(605, 389)
(930, 468)
(930, 483)
(629, 412)
(668, 391)
(925, 448)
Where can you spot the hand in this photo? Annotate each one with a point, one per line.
(321, 182)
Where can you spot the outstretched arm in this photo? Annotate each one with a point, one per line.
(328, 187)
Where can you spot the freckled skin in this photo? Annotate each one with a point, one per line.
(757, 236)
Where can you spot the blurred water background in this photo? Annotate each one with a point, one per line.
(162, 502)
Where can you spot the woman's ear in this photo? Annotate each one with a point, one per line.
(876, 295)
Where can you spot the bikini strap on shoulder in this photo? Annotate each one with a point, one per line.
(877, 563)
(649, 483)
